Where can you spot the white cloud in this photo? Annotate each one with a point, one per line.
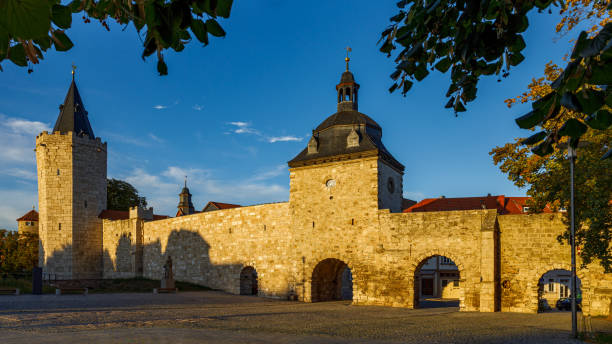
(414, 195)
(159, 107)
(155, 138)
(246, 128)
(198, 107)
(273, 139)
(24, 126)
(28, 174)
(161, 190)
(114, 137)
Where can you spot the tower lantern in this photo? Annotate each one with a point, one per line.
(347, 89)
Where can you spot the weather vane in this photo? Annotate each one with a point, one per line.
(73, 70)
(185, 181)
(347, 59)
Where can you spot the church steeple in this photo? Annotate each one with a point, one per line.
(347, 89)
(73, 116)
(185, 206)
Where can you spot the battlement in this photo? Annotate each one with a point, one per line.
(141, 213)
(69, 137)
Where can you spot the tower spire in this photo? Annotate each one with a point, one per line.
(73, 70)
(347, 59)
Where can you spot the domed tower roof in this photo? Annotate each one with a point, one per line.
(346, 134)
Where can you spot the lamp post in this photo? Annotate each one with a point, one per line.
(571, 152)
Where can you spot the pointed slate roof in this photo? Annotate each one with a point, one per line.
(73, 116)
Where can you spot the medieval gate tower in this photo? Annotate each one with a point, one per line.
(71, 166)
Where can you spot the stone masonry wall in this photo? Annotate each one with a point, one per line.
(54, 169)
(89, 199)
(212, 248)
(529, 249)
(120, 248)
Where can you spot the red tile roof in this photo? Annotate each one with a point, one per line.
(123, 215)
(31, 215)
(220, 205)
(504, 205)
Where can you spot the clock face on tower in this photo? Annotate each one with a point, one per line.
(330, 183)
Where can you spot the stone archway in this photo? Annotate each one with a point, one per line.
(445, 284)
(535, 286)
(248, 281)
(331, 280)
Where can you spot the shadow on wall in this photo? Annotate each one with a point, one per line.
(190, 262)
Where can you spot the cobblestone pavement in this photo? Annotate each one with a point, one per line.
(215, 317)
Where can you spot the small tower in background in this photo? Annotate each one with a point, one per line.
(347, 89)
(71, 167)
(185, 206)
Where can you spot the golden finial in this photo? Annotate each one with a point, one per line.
(73, 70)
(347, 59)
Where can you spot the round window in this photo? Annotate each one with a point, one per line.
(390, 185)
(330, 183)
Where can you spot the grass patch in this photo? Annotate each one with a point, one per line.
(24, 285)
(138, 285)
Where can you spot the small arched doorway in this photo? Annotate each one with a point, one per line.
(332, 280)
(554, 291)
(437, 283)
(248, 281)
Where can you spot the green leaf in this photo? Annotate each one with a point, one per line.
(62, 16)
(518, 44)
(609, 100)
(590, 100)
(75, 5)
(443, 65)
(407, 86)
(25, 19)
(516, 58)
(44, 42)
(530, 120)
(601, 74)
(570, 101)
(162, 68)
(600, 120)
(393, 88)
(543, 148)
(199, 30)
(214, 28)
(535, 138)
(224, 8)
(62, 42)
(459, 107)
(4, 43)
(421, 72)
(597, 43)
(573, 128)
(581, 43)
(17, 54)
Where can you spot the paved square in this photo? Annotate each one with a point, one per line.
(215, 317)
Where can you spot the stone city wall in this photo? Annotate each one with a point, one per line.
(528, 249)
(212, 248)
(120, 248)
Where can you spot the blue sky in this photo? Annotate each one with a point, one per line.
(232, 114)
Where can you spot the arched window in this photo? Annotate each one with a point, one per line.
(347, 95)
(340, 96)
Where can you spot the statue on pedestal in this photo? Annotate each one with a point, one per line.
(167, 281)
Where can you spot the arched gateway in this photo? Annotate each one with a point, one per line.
(248, 281)
(331, 280)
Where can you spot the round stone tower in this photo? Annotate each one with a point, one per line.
(71, 165)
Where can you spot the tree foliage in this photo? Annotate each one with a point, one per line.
(18, 251)
(122, 195)
(547, 177)
(473, 38)
(28, 28)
